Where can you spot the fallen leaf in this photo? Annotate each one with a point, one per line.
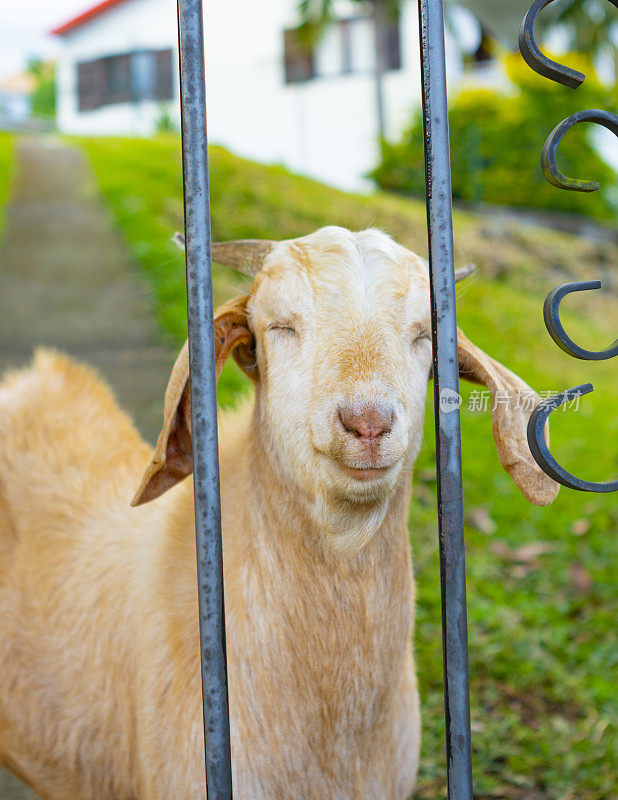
(580, 578)
(525, 557)
(522, 570)
(501, 549)
(479, 519)
(580, 527)
(530, 552)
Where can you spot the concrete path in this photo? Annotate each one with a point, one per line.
(66, 280)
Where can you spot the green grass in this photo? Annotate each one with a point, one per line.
(6, 165)
(543, 648)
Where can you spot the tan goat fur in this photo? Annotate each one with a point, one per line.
(100, 691)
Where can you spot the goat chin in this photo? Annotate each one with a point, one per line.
(348, 527)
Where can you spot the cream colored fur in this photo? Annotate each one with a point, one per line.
(100, 691)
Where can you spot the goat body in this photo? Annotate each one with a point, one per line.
(100, 689)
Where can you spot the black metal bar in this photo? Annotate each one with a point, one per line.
(204, 400)
(446, 389)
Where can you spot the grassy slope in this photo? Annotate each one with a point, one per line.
(543, 649)
(6, 161)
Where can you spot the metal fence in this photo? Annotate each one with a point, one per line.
(445, 371)
(540, 63)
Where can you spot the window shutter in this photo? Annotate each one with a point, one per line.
(165, 75)
(117, 79)
(392, 45)
(299, 60)
(91, 84)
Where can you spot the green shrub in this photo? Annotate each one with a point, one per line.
(496, 142)
(43, 97)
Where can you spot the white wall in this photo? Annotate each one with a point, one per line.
(133, 25)
(325, 128)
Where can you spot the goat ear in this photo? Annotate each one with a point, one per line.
(173, 457)
(512, 403)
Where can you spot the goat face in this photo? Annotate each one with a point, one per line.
(335, 334)
(342, 342)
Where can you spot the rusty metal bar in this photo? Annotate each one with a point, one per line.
(204, 400)
(446, 401)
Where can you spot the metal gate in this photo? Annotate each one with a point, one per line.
(446, 377)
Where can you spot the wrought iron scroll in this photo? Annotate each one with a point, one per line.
(550, 148)
(204, 401)
(551, 314)
(536, 59)
(446, 380)
(540, 451)
(559, 73)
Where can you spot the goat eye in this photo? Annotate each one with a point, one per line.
(283, 327)
(422, 338)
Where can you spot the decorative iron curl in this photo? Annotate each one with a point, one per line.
(540, 450)
(550, 149)
(537, 60)
(540, 63)
(551, 314)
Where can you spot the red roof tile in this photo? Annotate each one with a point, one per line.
(86, 16)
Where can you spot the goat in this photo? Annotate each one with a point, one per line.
(100, 690)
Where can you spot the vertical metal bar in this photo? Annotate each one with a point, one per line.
(446, 395)
(204, 400)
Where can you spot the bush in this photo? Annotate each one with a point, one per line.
(43, 97)
(496, 142)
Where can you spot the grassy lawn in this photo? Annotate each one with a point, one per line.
(6, 162)
(541, 582)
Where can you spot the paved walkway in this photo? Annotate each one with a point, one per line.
(66, 280)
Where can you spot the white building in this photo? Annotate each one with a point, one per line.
(268, 99)
(15, 105)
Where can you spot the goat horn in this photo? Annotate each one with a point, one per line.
(464, 272)
(245, 255)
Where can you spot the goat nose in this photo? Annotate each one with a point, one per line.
(369, 422)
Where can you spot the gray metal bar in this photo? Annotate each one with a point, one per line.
(446, 391)
(204, 400)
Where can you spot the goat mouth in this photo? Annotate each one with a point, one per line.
(362, 472)
(366, 473)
